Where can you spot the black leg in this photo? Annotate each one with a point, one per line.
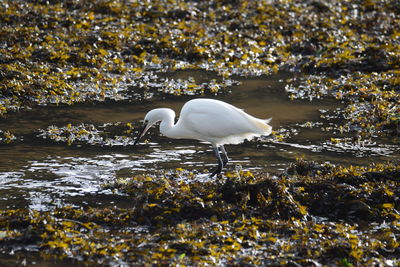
(225, 158)
(218, 170)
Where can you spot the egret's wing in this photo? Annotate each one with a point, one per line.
(222, 121)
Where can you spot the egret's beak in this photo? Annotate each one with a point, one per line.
(143, 131)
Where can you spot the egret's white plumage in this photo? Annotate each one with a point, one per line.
(208, 120)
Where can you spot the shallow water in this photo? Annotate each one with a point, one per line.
(41, 175)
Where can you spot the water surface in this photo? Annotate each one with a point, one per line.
(41, 175)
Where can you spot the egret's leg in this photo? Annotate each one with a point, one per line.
(220, 163)
(225, 158)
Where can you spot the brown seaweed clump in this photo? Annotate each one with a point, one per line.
(64, 52)
(107, 135)
(6, 137)
(311, 214)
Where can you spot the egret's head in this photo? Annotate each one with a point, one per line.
(151, 118)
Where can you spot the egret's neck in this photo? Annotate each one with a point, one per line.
(167, 126)
(167, 123)
(171, 130)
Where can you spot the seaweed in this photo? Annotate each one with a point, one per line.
(66, 52)
(313, 213)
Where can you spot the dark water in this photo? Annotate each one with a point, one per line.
(40, 175)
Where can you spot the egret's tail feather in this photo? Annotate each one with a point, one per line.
(267, 120)
(264, 127)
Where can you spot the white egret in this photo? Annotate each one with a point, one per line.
(208, 120)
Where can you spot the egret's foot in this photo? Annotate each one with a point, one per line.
(217, 172)
(219, 175)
